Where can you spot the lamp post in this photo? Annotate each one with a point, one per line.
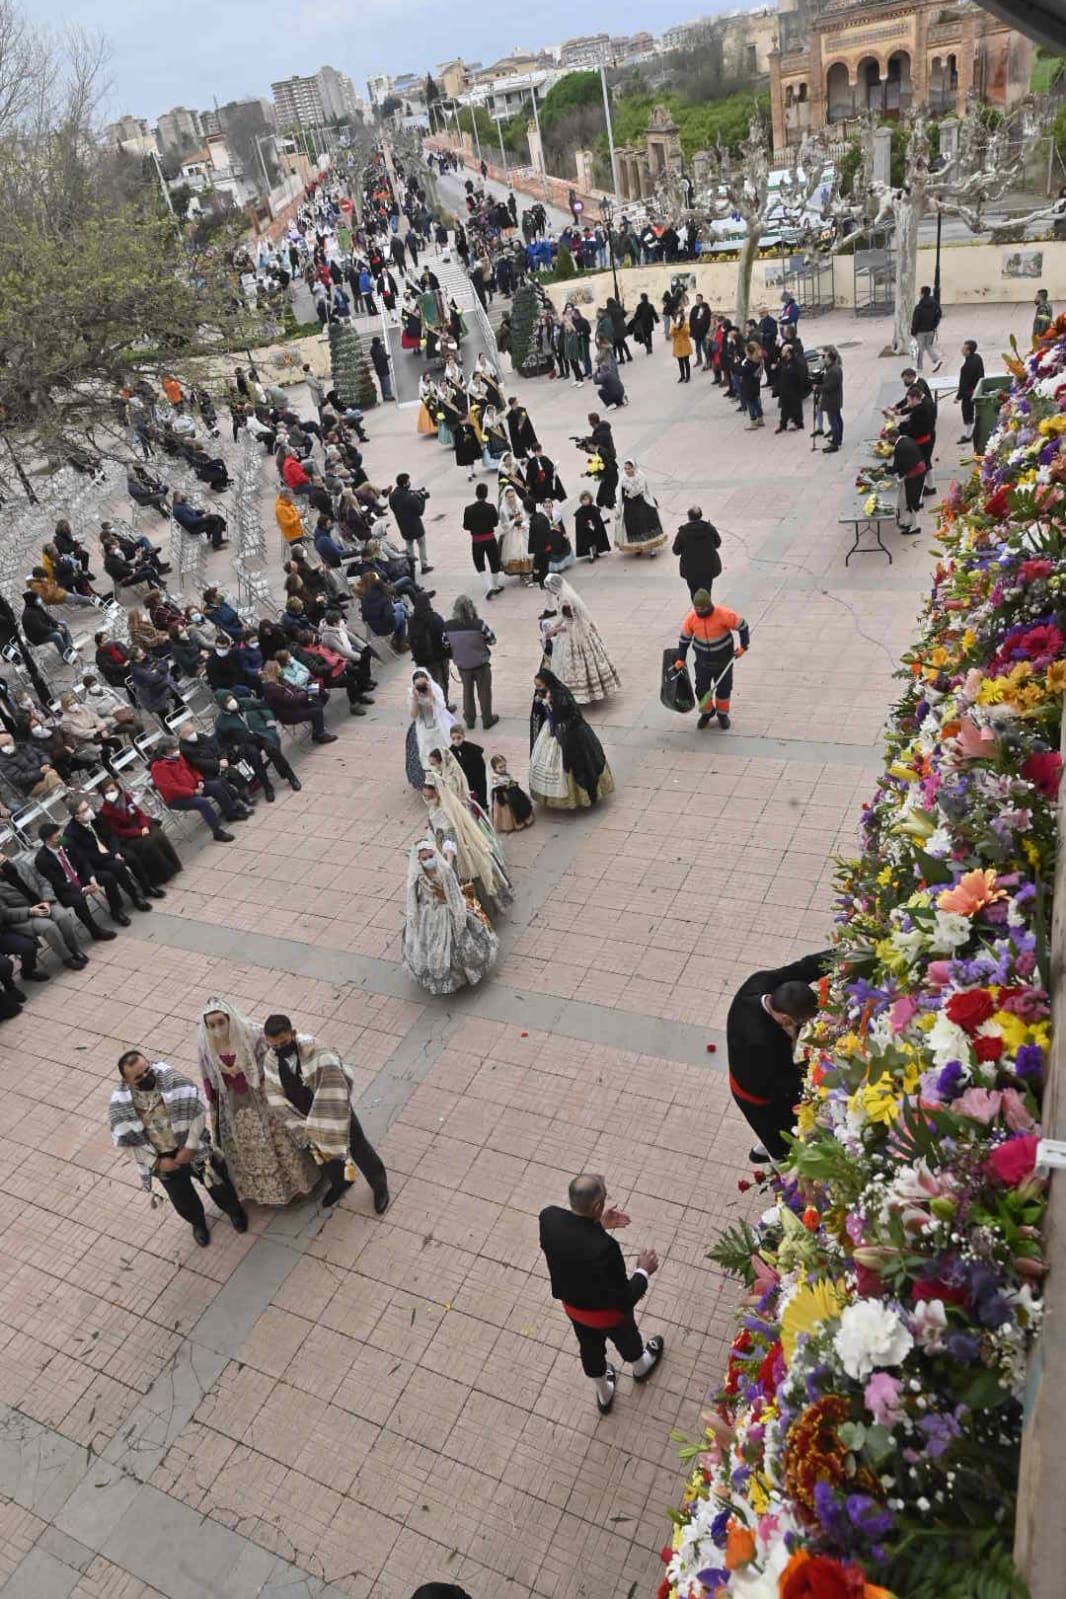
(503, 153)
(607, 212)
(936, 269)
(540, 141)
(610, 130)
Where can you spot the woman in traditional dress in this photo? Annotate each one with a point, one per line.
(444, 766)
(510, 476)
(512, 809)
(466, 844)
(591, 538)
(448, 943)
(431, 725)
(467, 446)
(513, 533)
(427, 409)
(579, 659)
(637, 528)
(265, 1164)
(411, 337)
(493, 438)
(568, 770)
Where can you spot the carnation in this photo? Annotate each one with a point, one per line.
(929, 1324)
(947, 1041)
(871, 1334)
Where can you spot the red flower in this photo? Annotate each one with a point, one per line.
(768, 1373)
(819, 1577)
(996, 504)
(969, 1008)
(742, 1185)
(930, 1288)
(1013, 1161)
(1030, 571)
(869, 1283)
(663, 1590)
(988, 1049)
(1044, 771)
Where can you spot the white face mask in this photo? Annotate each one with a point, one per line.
(37, 731)
(7, 749)
(111, 796)
(190, 738)
(231, 705)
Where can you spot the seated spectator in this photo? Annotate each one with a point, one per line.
(147, 490)
(39, 626)
(247, 731)
(218, 610)
(136, 547)
(294, 618)
(67, 544)
(127, 574)
(293, 475)
(153, 685)
(205, 755)
(319, 497)
(119, 717)
(28, 900)
(152, 640)
(95, 862)
(291, 705)
(225, 669)
(82, 724)
(112, 660)
(50, 593)
(25, 770)
(335, 634)
(327, 549)
(77, 893)
(162, 610)
(131, 832)
(271, 638)
(60, 748)
(65, 570)
(309, 586)
(335, 671)
(382, 614)
(186, 655)
(210, 469)
(182, 789)
(195, 521)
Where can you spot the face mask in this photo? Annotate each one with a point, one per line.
(7, 749)
(197, 616)
(37, 731)
(190, 738)
(221, 652)
(429, 862)
(111, 796)
(288, 1051)
(148, 1081)
(231, 705)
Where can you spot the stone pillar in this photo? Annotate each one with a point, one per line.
(920, 60)
(777, 110)
(882, 155)
(536, 152)
(949, 138)
(816, 88)
(966, 57)
(583, 162)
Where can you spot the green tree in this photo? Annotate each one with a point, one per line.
(525, 310)
(564, 265)
(576, 89)
(352, 376)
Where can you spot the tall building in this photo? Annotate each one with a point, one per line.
(379, 88)
(179, 129)
(588, 51)
(131, 134)
(298, 103)
(337, 93)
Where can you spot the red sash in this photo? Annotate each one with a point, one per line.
(594, 1318)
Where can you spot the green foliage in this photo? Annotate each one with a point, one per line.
(953, 1564)
(735, 1251)
(1058, 130)
(1047, 69)
(352, 377)
(564, 265)
(700, 126)
(525, 310)
(848, 167)
(576, 89)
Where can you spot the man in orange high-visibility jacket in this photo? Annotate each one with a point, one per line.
(709, 628)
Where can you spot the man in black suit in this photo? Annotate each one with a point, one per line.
(57, 869)
(588, 1275)
(764, 1020)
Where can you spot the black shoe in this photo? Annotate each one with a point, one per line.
(366, 699)
(333, 1193)
(156, 893)
(603, 1407)
(240, 1222)
(705, 719)
(655, 1346)
(121, 918)
(964, 438)
(295, 784)
(36, 977)
(102, 934)
(201, 1234)
(471, 721)
(268, 793)
(381, 1199)
(723, 721)
(371, 682)
(141, 905)
(427, 569)
(323, 738)
(220, 836)
(75, 963)
(831, 449)
(245, 813)
(489, 721)
(356, 710)
(817, 433)
(16, 994)
(758, 1155)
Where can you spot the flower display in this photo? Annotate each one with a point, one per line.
(865, 1439)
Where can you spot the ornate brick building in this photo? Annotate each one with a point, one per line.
(836, 59)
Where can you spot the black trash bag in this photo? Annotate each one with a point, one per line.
(676, 689)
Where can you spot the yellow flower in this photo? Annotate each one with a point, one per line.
(884, 876)
(969, 639)
(809, 1306)
(758, 1493)
(1014, 1030)
(1032, 854)
(1056, 677)
(879, 1100)
(805, 1117)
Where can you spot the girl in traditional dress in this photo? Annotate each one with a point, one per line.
(511, 476)
(568, 770)
(591, 538)
(513, 534)
(467, 446)
(579, 659)
(512, 809)
(493, 438)
(637, 528)
(411, 337)
(427, 395)
(468, 849)
(431, 725)
(448, 943)
(265, 1164)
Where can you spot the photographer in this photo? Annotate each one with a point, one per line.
(407, 505)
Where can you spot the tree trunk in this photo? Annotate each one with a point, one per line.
(908, 215)
(744, 265)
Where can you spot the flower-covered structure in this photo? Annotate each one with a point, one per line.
(865, 1441)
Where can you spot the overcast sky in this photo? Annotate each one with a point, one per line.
(202, 50)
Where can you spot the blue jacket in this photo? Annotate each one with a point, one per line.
(377, 611)
(225, 617)
(328, 551)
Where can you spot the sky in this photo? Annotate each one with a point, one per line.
(202, 50)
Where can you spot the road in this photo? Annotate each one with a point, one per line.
(453, 194)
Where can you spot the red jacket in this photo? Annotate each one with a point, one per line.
(174, 779)
(128, 823)
(293, 473)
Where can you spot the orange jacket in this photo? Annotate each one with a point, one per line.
(711, 632)
(288, 519)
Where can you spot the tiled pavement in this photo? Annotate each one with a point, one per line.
(348, 1405)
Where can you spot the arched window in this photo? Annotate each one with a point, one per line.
(839, 101)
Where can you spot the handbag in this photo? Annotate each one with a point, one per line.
(675, 690)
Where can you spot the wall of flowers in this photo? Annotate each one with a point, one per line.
(865, 1441)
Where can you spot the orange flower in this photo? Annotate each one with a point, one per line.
(810, 1219)
(739, 1546)
(973, 891)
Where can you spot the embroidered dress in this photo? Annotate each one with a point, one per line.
(578, 656)
(448, 942)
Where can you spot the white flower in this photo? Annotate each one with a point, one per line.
(950, 931)
(938, 845)
(947, 1041)
(910, 945)
(871, 1335)
(929, 1324)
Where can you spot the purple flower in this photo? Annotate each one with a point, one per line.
(830, 1510)
(940, 1432)
(949, 1080)
(739, 1478)
(719, 1528)
(1029, 1061)
(867, 1516)
(713, 1578)
(963, 1347)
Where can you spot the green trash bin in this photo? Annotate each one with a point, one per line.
(986, 404)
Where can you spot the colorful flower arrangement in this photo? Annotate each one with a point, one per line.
(865, 1441)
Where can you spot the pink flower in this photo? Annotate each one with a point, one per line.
(881, 1397)
(1015, 1113)
(1013, 1161)
(939, 973)
(980, 1104)
(975, 743)
(902, 1012)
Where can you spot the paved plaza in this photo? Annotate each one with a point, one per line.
(336, 1404)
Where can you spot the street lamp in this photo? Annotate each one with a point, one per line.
(607, 212)
(936, 269)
